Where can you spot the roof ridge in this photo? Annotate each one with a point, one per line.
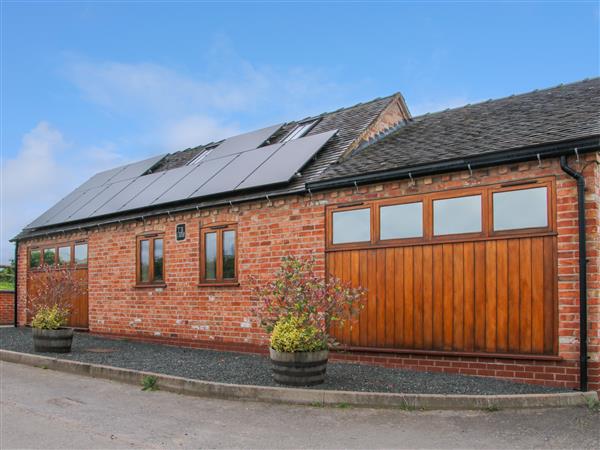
(507, 97)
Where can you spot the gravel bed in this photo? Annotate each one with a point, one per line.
(243, 368)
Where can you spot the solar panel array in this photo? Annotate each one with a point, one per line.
(237, 163)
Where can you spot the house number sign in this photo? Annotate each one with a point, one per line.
(180, 232)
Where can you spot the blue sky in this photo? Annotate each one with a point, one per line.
(87, 86)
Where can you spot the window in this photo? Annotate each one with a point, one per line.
(198, 159)
(150, 259)
(218, 247)
(300, 130)
(472, 213)
(457, 215)
(81, 254)
(352, 226)
(49, 256)
(401, 221)
(522, 208)
(64, 255)
(34, 258)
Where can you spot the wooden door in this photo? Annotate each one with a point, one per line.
(79, 303)
(491, 296)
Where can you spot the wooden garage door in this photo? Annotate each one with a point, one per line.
(492, 296)
(489, 293)
(74, 256)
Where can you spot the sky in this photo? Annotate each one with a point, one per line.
(87, 86)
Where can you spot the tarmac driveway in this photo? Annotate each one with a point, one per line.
(45, 409)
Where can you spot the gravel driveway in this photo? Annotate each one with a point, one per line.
(243, 368)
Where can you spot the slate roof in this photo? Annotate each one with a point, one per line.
(565, 112)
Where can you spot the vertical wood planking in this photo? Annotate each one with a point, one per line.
(381, 322)
(537, 293)
(493, 296)
(372, 299)
(525, 291)
(502, 296)
(490, 298)
(480, 294)
(408, 331)
(390, 275)
(399, 298)
(514, 296)
(438, 297)
(363, 322)
(448, 285)
(469, 296)
(418, 297)
(427, 297)
(458, 294)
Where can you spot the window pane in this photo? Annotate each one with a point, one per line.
(64, 255)
(401, 221)
(158, 260)
(81, 253)
(210, 259)
(49, 256)
(352, 226)
(144, 261)
(34, 258)
(457, 215)
(229, 254)
(525, 208)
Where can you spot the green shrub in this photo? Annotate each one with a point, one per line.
(50, 318)
(295, 334)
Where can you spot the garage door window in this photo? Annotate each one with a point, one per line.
(352, 226)
(457, 215)
(519, 209)
(401, 221)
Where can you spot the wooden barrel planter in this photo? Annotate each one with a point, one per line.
(55, 341)
(299, 368)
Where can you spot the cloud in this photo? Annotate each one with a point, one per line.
(43, 170)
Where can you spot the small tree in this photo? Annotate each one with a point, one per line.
(50, 299)
(312, 302)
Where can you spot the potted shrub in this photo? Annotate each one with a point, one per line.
(298, 308)
(50, 308)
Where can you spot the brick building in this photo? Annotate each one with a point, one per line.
(463, 225)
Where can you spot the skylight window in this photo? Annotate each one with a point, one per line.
(198, 159)
(300, 130)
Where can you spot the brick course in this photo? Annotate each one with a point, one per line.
(220, 317)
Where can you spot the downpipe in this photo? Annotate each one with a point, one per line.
(583, 350)
(16, 305)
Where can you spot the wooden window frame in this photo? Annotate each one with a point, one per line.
(350, 207)
(41, 248)
(550, 206)
(152, 283)
(219, 229)
(487, 233)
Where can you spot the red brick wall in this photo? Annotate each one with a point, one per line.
(7, 307)
(220, 316)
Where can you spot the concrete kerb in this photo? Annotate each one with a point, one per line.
(312, 397)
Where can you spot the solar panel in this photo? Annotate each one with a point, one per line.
(72, 208)
(243, 142)
(235, 172)
(102, 178)
(156, 189)
(194, 180)
(136, 169)
(52, 212)
(128, 193)
(99, 200)
(287, 161)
